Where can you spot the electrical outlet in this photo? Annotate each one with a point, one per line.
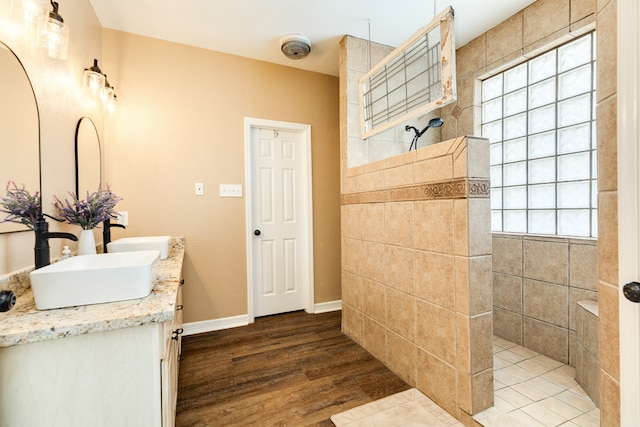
(123, 218)
(230, 190)
(199, 189)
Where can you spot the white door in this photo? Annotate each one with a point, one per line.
(280, 231)
(628, 15)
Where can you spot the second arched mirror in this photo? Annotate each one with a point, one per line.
(88, 158)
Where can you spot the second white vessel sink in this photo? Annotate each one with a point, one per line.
(94, 279)
(129, 244)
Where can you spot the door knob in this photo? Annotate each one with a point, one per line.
(631, 291)
(257, 232)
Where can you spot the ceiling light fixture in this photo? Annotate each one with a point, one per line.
(295, 46)
(54, 36)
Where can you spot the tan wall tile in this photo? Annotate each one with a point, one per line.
(463, 345)
(583, 266)
(435, 280)
(547, 339)
(507, 325)
(590, 338)
(461, 227)
(545, 17)
(507, 292)
(481, 343)
(374, 301)
(431, 170)
(467, 121)
(401, 314)
(461, 268)
(581, 9)
(400, 272)
(352, 323)
(606, 24)
(482, 390)
(609, 336)
(609, 401)
(607, 124)
(479, 227)
(591, 377)
(436, 329)
(471, 57)
(352, 289)
(357, 58)
(350, 221)
(437, 380)
(608, 236)
(507, 255)
(372, 222)
(398, 224)
(373, 261)
(464, 391)
(546, 301)
(401, 357)
(398, 176)
(372, 181)
(505, 38)
(352, 255)
(466, 91)
(576, 295)
(374, 338)
(480, 300)
(478, 158)
(547, 261)
(434, 226)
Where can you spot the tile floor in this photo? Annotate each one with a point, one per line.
(407, 408)
(532, 390)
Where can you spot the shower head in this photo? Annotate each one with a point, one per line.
(433, 123)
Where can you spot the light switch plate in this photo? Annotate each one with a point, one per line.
(230, 190)
(199, 189)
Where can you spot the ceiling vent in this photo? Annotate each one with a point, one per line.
(295, 46)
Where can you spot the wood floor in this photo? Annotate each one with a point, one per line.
(293, 369)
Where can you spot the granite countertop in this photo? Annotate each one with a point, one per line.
(25, 324)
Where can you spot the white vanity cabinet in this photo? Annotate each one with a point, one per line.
(121, 377)
(101, 365)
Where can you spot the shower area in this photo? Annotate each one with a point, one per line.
(427, 287)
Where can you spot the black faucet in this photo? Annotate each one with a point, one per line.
(106, 232)
(41, 250)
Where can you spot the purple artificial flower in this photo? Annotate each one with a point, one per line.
(20, 206)
(89, 213)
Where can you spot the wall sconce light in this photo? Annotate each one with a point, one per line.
(54, 36)
(95, 83)
(93, 79)
(108, 95)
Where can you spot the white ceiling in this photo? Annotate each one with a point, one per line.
(253, 28)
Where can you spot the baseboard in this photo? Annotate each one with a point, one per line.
(325, 307)
(243, 320)
(215, 324)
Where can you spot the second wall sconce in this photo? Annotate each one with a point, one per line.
(95, 82)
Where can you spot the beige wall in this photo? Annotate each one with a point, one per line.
(58, 88)
(180, 120)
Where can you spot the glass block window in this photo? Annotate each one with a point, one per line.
(540, 119)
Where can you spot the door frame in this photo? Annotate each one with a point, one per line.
(628, 92)
(306, 180)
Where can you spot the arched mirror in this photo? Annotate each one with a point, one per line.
(88, 160)
(19, 130)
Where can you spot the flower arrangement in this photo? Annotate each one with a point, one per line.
(20, 206)
(89, 213)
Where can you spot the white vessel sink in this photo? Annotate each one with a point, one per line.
(94, 279)
(129, 244)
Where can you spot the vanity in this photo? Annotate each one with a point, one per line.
(112, 364)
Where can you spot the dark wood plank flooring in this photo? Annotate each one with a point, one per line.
(292, 369)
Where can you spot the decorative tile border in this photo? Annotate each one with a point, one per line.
(455, 189)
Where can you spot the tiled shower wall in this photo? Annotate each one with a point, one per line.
(416, 269)
(537, 283)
